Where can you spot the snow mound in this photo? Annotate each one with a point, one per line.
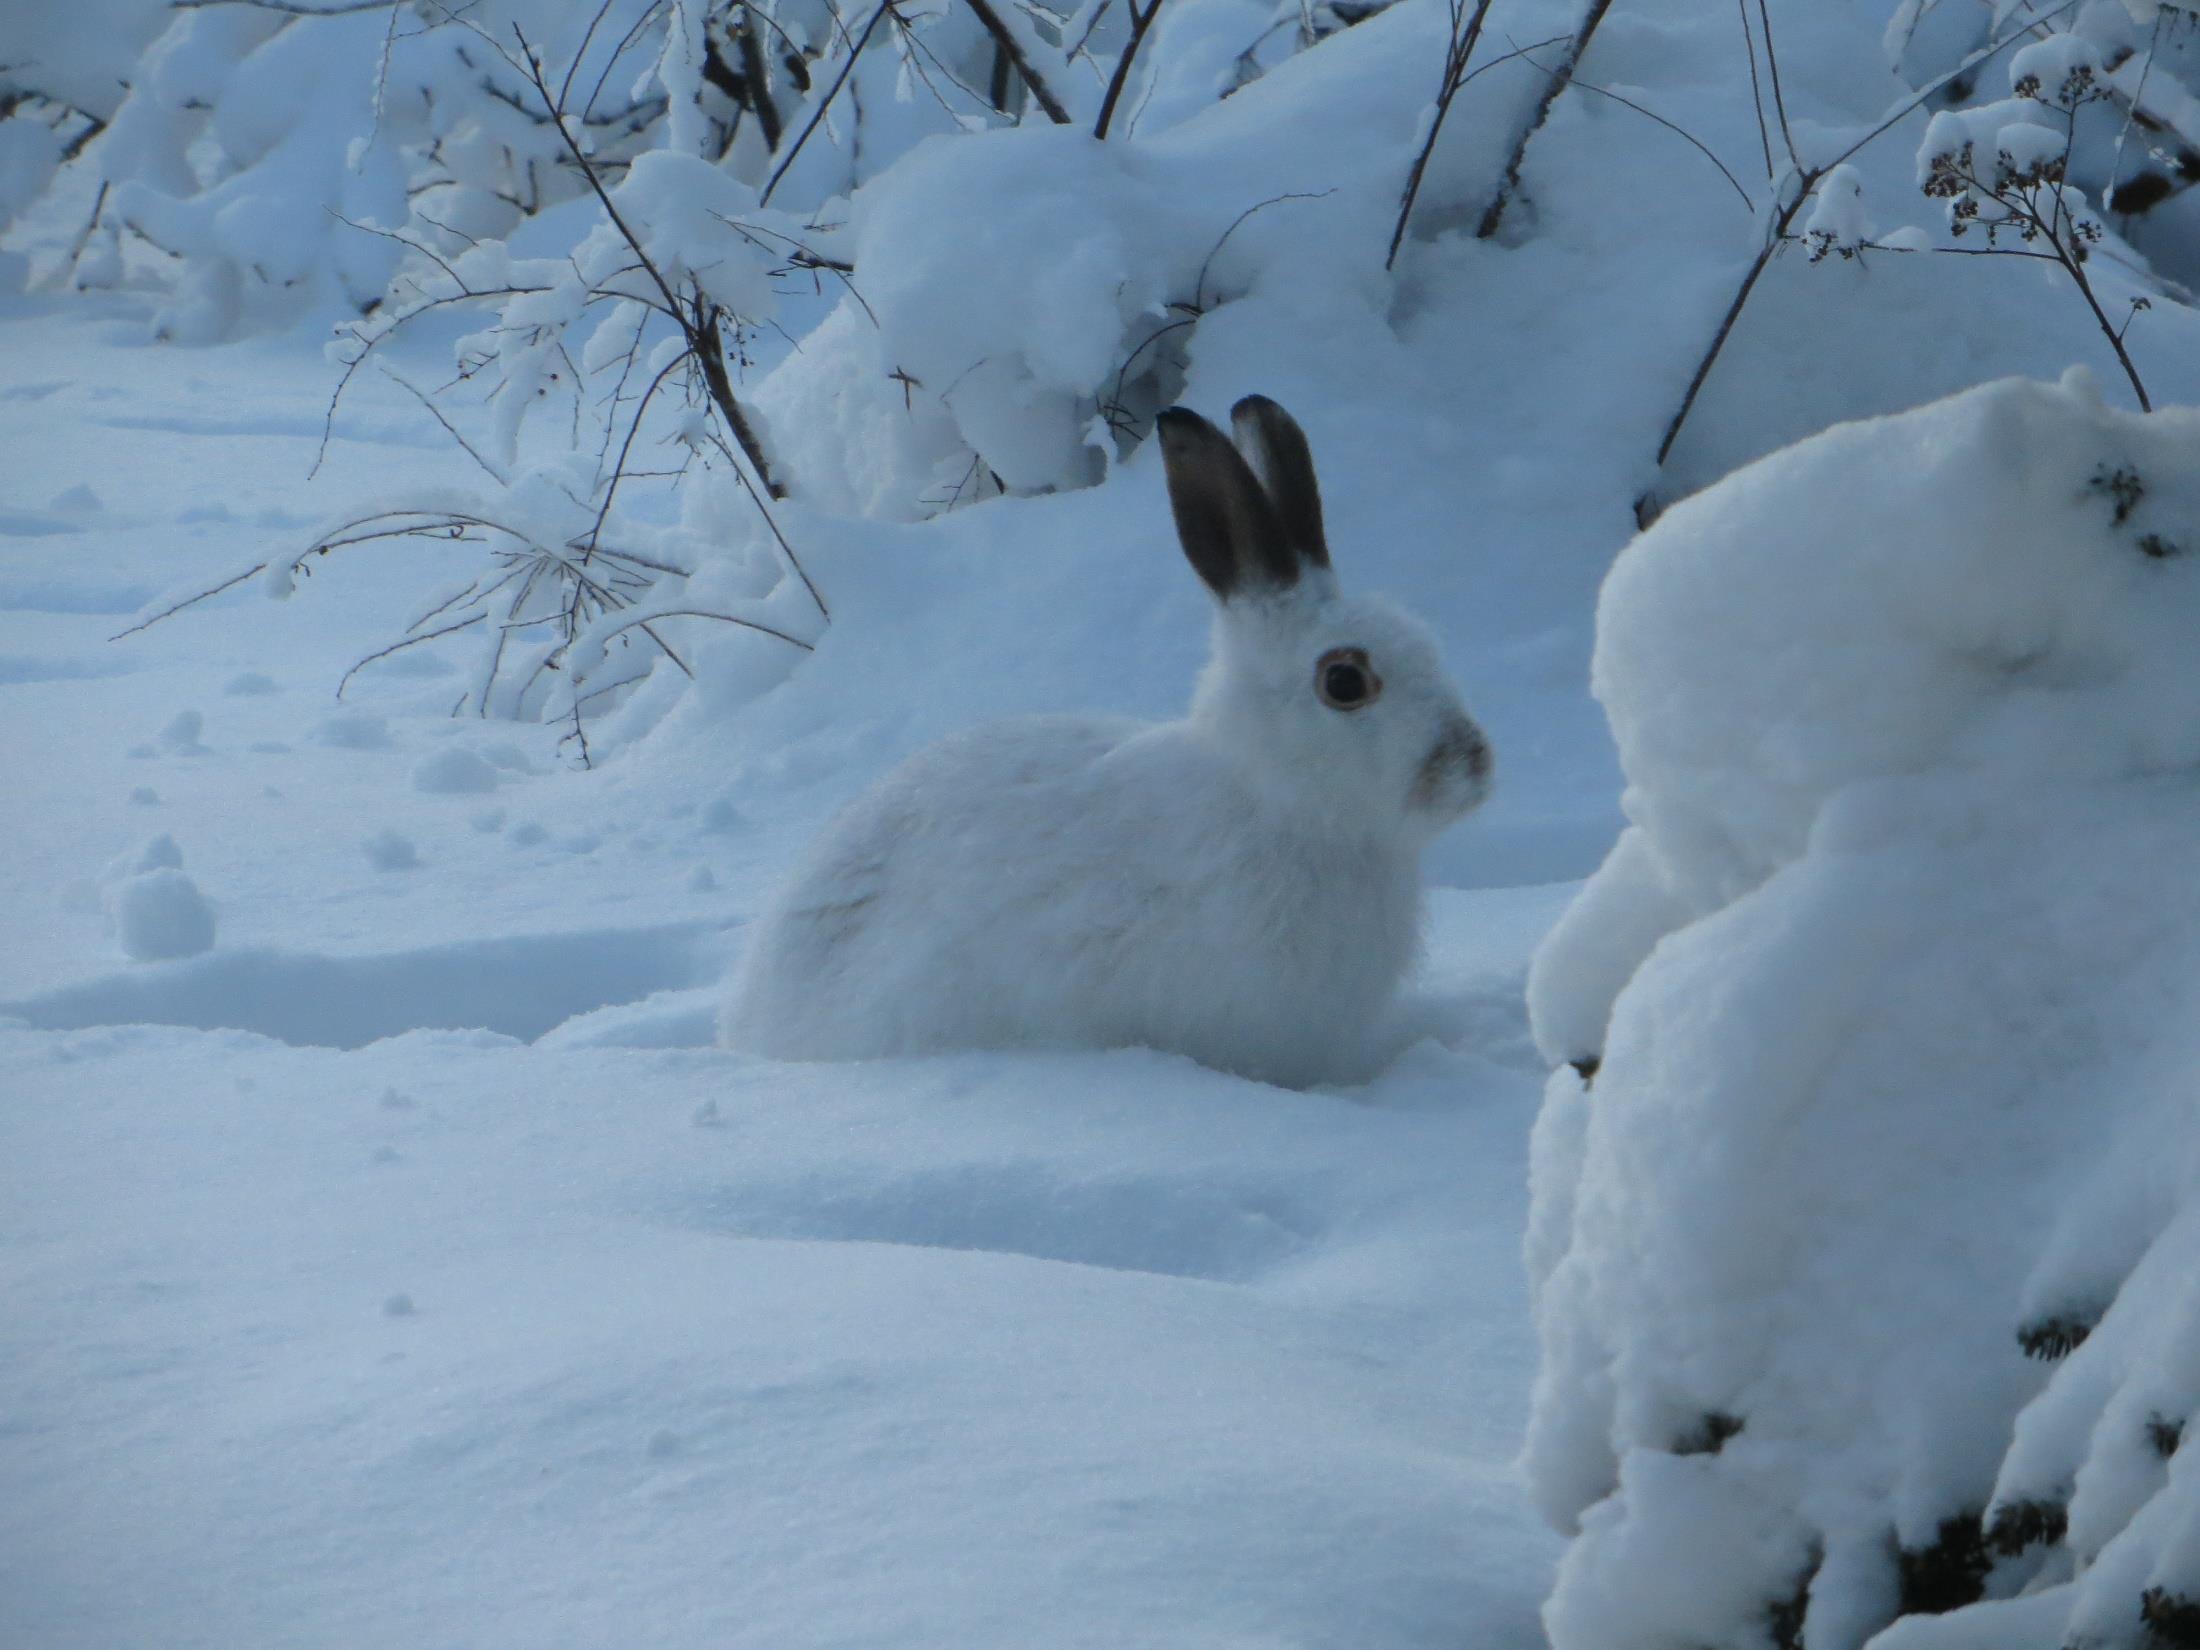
(160, 914)
(1868, 1270)
(454, 773)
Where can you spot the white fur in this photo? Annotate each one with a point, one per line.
(1241, 886)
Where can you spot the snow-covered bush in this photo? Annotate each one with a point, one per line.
(1864, 1266)
(643, 208)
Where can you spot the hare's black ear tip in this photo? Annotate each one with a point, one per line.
(1255, 406)
(1182, 430)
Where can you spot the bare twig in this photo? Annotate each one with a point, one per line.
(1199, 287)
(290, 8)
(93, 126)
(84, 235)
(1006, 43)
(701, 324)
(400, 645)
(435, 412)
(1677, 130)
(1772, 73)
(756, 76)
(190, 601)
(1756, 89)
(1509, 180)
(1805, 183)
(700, 613)
(818, 108)
(1466, 30)
(1141, 21)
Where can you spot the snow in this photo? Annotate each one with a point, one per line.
(398, 1261)
(454, 773)
(388, 850)
(1902, 924)
(160, 914)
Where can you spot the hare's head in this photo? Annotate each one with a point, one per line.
(1337, 706)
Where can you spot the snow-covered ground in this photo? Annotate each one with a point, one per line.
(408, 1268)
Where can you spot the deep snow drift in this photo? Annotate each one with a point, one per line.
(1893, 983)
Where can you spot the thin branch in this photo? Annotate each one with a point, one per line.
(1465, 32)
(1007, 44)
(190, 601)
(699, 613)
(785, 549)
(701, 331)
(450, 429)
(1508, 181)
(633, 34)
(1725, 330)
(1933, 88)
(76, 145)
(756, 76)
(565, 86)
(290, 8)
(817, 110)
(1807, 182)
(1697, 143)
(618, 470)
(1779, 98)
(84, 235)
(1756, 88)
(1141, 21)
(400, 645)
(1199, 287)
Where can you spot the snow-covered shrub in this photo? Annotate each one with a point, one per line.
(264, 160)
(1864, 1264)
(2120, 79)
(644, 207)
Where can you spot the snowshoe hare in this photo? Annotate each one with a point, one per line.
(1242, 886)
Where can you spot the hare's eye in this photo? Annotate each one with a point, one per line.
(1345, 680)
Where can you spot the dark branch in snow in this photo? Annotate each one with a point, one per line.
(818, 108)
(1466, 31)
(1141, 21)
(1509, 180)
(1005, 43)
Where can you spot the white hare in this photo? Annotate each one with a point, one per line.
(1242, 885)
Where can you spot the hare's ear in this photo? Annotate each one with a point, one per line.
(1275, 446)
(1224, 518)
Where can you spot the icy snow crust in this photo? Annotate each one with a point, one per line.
(1892, 978)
